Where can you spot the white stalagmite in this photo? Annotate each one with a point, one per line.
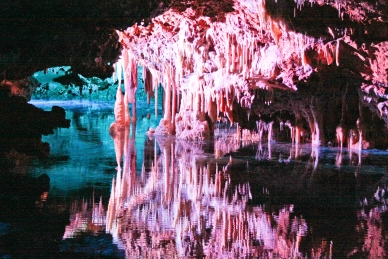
(337, 52)
(119, 110)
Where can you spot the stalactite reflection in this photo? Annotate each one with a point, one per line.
(184, 206)
(186, 203)
(85, 216)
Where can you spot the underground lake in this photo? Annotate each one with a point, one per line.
(144, 196)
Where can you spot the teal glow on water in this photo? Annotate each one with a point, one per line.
(84, 155)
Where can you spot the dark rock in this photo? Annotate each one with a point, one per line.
(22, 126)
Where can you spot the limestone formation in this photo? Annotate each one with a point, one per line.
(265, 58)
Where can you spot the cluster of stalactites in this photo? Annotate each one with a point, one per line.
(204, 66)
(126, 67)
(212, 76)
(206, 76)
(284, 44)
(300, 3)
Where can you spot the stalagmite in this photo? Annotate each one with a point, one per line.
(337, 52)
(269, 125)
(292, 130)
(315, 138)
(260, 128)
(119, 110)
(328, 53)
(340, 135)
(118, 138)
(298, 132)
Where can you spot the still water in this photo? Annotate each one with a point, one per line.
(137, 196)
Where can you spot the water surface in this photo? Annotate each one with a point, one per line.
(174, 199)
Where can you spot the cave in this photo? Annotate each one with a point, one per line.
(267, 118)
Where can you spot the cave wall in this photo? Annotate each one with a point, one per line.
(36, 35)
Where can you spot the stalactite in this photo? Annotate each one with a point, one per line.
(133, 85)
(233, 60)
(303, 58)
(126, 69)
(337, 52)
(227, 54)
(262, 13)
(127, 117)
(292, 131)
(275, 31)
(156, 99)
(134, 112)
(115, 74)
(148, 83)
(167, 99)
(218, 103)
(240, 57)
(229, 114)
(329, 53)
(173, 108)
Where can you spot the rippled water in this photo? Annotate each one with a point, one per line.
(211, 199)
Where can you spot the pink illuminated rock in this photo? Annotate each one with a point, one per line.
(208, 65)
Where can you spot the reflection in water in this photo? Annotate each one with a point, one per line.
(187, 205)
(371, 225)
(85, 217)
(234, 197)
